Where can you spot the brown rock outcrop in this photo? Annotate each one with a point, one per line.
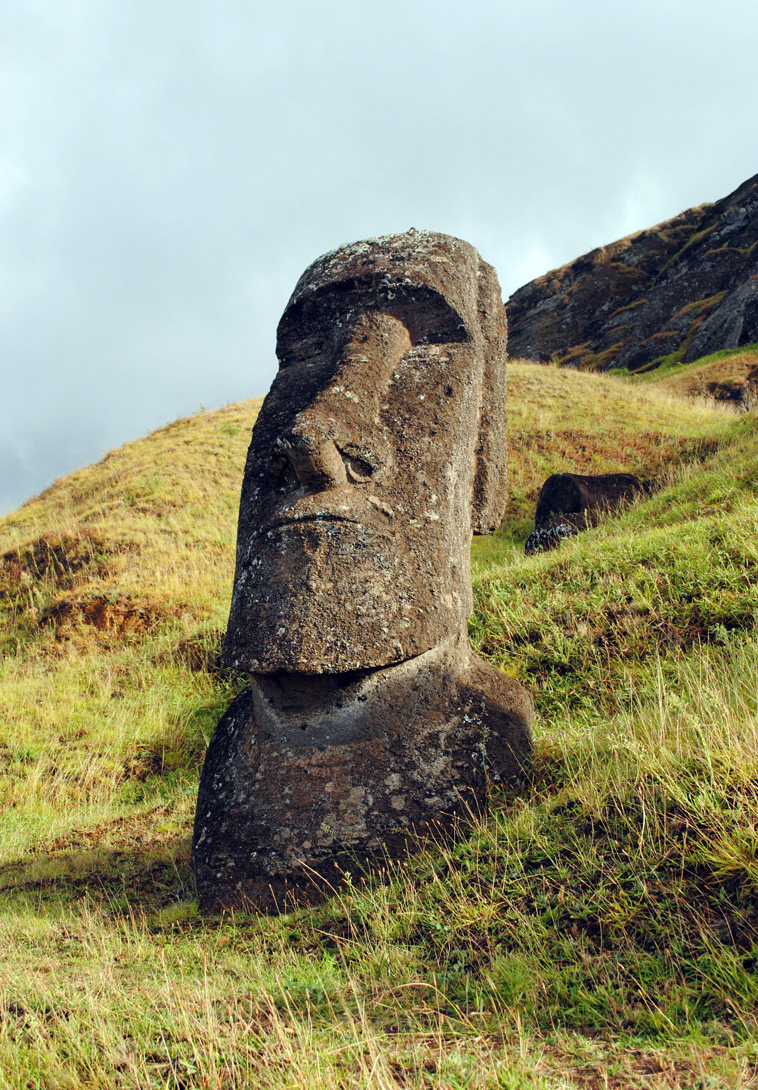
(678, 291)
(378, 451)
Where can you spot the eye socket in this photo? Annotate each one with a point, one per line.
(281, 472)
(301, 349)
(358, 471)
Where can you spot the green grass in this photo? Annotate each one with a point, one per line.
(599, 930)
(673, 368)
(570, 421)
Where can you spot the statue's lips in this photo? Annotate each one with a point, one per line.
(298, 520)
(293, 520)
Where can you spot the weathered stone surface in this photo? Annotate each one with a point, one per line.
(307, 777)
(378, 451)
(683, 289)
(548, 537)
(579, 499)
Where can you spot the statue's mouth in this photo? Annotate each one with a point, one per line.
(282, 521)
(316, 510)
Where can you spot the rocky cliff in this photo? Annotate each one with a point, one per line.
(675, 292)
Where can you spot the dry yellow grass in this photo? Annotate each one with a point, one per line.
(566, 421)
(471, 967)
(163, 510)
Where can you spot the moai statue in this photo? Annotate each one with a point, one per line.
(378, 452)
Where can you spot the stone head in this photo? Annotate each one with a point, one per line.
(378, 451)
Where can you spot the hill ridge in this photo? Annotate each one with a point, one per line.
(677, 291)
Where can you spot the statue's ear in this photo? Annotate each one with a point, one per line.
(490, 473)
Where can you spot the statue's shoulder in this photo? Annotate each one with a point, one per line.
(483, 684)
(503, 711)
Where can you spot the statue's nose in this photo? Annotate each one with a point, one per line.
(336, 439)
(313, 456)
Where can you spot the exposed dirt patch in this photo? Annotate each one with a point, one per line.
(34, 574)
(143, 859)
(611, 1069)
(143, 881)
(112, 619)
(57, 560)
(634, 1069)
(130, 832)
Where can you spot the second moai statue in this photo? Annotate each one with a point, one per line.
(379, 450)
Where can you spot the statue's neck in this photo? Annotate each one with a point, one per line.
(325, 708)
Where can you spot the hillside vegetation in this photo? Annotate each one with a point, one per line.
(673, 293)
(600, 930)
(720, 377)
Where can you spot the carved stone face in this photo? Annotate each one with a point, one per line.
(372, 460)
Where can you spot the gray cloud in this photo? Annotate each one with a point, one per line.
(167, 171)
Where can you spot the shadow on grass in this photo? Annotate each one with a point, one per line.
(135, 881)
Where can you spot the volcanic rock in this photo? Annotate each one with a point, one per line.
(675, 292)
(378, 451)
(579, 499)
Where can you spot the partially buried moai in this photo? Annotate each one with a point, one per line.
(378, 452)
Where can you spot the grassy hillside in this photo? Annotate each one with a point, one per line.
(726, 369)
(598, 931)
(561, 420)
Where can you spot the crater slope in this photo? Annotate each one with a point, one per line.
(675, 292)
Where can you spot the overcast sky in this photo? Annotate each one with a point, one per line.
(168, 169)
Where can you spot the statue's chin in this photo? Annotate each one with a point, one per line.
(313, 641)
(305, 608)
